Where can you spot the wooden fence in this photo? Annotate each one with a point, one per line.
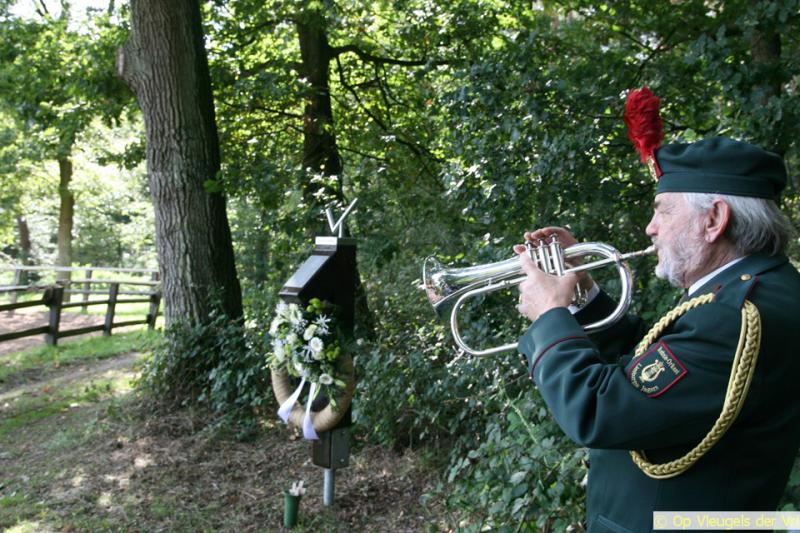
(52, 297)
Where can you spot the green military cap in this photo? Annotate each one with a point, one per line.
(719, 165)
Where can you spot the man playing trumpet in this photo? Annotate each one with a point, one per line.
(701, 413)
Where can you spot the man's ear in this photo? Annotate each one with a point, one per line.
(718, 217)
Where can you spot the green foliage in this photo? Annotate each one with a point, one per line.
(522, 473)
(56, 79)
(460, 125)
(58, 88)
(211, 365)
(508, 464)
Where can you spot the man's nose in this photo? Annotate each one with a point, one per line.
(651, 230)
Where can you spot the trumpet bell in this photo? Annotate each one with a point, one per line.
(434, 283)
(444, 285)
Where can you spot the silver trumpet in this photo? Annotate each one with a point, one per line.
(450, 288)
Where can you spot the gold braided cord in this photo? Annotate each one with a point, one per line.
(659, 327)
(744, 364)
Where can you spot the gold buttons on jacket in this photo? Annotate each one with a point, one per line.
(746, 277)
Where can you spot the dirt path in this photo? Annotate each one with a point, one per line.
(72, 374)
(105, 460)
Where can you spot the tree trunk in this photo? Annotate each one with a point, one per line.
(66, 214)
(25, 246)
(320, 153)
(164, 62)
(25, 251)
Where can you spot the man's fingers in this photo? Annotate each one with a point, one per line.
(528, 266)
(570, 279)
(564, 236)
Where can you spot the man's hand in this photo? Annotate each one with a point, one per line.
(542, 292)
(566, 240)
(564, 236)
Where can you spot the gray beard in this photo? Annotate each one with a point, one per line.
(679, 261)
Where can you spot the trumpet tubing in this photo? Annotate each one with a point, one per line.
(449, 288)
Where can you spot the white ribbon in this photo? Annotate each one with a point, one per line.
(286, 407)
(308, 425)
(285, 410)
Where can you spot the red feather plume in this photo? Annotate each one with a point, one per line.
(645, 128)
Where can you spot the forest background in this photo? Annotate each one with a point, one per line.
(458, 126)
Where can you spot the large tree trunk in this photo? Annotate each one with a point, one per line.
(164, 62)
(66, 214)
(320, 153)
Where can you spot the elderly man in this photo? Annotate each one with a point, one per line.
(667, 431)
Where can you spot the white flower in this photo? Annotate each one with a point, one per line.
(322, 323)
(281, 309)
(310, 330)
(316, 344)
(279, 351)
(326, 379)
(295, 315)
(297, 488)
(309, 354)
(291, 338)
(275, 324)
(280, 354)
(301, 369)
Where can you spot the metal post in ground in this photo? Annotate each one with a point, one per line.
(327, 487)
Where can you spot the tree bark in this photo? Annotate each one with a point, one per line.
(25, 247)
(165, 64)
(320, 153)
(66, 215)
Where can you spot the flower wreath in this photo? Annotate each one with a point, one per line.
(305, 345)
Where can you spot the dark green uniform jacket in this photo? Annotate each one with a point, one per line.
(666, 400)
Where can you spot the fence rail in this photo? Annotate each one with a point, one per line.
(53, 299)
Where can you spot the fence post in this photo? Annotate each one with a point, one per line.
(17, 281)
(86, 287)
(155, 303)
(54, 301)
(113, 290)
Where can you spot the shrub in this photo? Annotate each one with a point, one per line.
(214, 365)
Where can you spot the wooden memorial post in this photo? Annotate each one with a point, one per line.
(330, 274)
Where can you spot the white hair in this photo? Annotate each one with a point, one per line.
(756, 225)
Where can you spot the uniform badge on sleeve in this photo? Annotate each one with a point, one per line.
(655, 371)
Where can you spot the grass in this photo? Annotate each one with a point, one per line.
(25, 409)
(15, 366)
